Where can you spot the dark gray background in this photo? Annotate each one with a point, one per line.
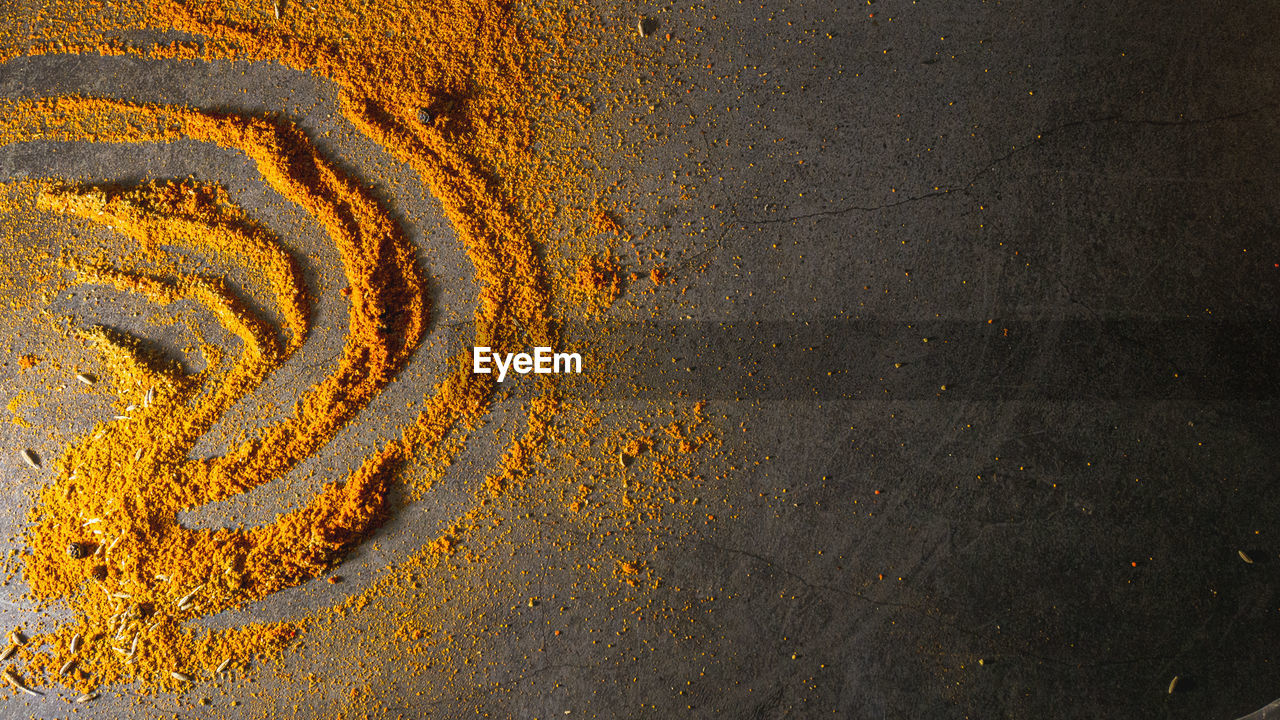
(1075, 204)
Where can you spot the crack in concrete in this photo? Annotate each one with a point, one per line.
(942, 190)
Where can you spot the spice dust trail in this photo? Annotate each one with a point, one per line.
(132, 476)
(458, 91)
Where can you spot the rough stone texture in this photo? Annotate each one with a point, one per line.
(1076, 205)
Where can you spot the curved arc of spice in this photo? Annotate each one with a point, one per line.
(287, 160)
(513, 306)
(487, 225)
(149, 223)
(236, 40)
(368, 362)
(261, 353)
(513, 294)
(344, 510)
(372, 248)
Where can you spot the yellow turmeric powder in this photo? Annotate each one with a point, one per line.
(455, 90)
(105, 537)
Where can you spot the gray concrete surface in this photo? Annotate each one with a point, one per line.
(1076, 205)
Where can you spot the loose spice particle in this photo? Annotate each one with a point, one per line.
(16, 681)
(186, 599)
